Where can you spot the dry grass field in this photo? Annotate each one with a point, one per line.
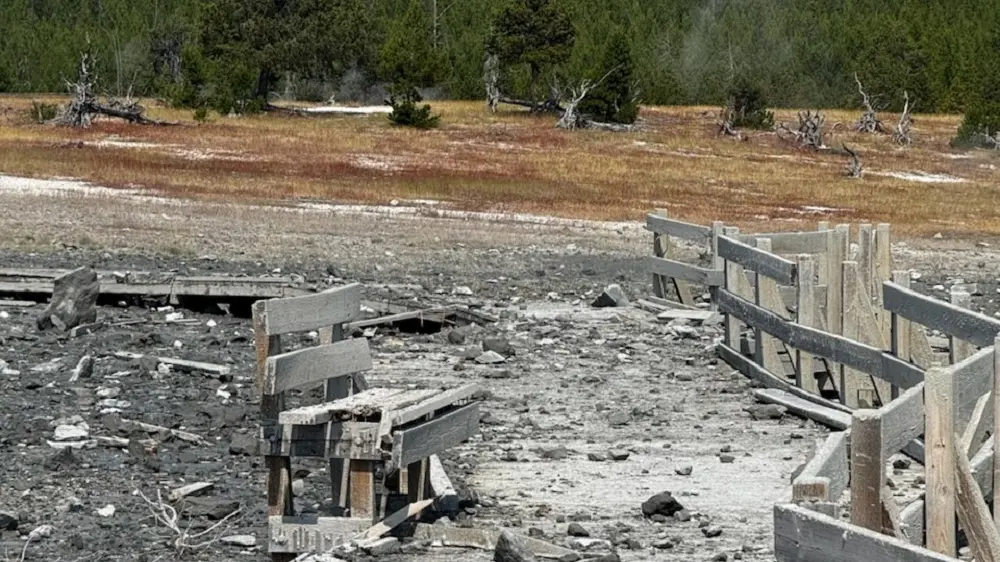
(515, 162)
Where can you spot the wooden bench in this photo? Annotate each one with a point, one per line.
(379, 441)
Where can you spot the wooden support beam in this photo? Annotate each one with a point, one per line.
(973, 327)
(899, 328)
(973, 513)
(733, 273)
(958, 348)
(940, 472)
(362, 493)
(805, 316)
(764, 263)
(824, 478)
(802, 535)
(855, 385)
(867, 469)
(882, 272)
(996, 431)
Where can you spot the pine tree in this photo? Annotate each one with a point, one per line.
(535, 33)
(613, 99)
(409, 61)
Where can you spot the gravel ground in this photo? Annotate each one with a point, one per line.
(582, 382)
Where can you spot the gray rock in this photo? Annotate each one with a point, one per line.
(683, 516)
(512, 548)
(490, 358)
(618, 454)
(766, 411)
(84, 369)
(243, 444)
(684, 470)
(596, 457)
(382, 547)
(557, 453)
(500, 346)
(74, 301)
(711, 531)
(577, 530)
(661, 504)
(621, 417)
(456, 337)
(8, 521)
(613, 296)
(726, 459)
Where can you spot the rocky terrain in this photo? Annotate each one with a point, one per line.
(589, 413)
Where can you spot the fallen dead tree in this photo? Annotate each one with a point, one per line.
(869, 122)
(494, 97)
(809, 133)
(727, 116)
(573, 119)
(86, 105)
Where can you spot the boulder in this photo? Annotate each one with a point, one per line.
(611, 297)
(74, 301)
(661, 504)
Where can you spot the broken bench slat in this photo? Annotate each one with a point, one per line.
(436, 435)
(313, 365)
(486, 539)
(311, 312)
(210, 368)
(361, 404)
(439, 402)
(189, 490)
(437, 314)
(400, 402)
(397, 518)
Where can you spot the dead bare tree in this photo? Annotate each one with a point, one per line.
(869, 122)
(991, 139)
(85, 105)
(166, 515)
(494, 97)
(854, 169)
(727, 115)
(810, 131)
(902, 133)
(491, 75)
(572, 119)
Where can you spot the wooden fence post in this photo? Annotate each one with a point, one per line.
(660, 248)
(866, 257)
(958, 349)
(731, 275)
(867, 469)
(805, 316)
(899, 328)
(996, 431)
(882, 272)
(717, 262)
(851, 381)
(940, 461)
(767, 345)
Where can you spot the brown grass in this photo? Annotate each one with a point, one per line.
(512, 161)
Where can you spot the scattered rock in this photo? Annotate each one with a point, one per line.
(596, 457)
(621, 417)
(618, 454)
(84, 369)
(726, 458)
(661, 504)
(64, 459)
(557, 453)
(766, 411)
(74, 300)
(612, 296)
(462, 291)
(683, 516)
(71, 432)
(490, 358)
(244, 541)
(684, 470)
(243, 444)
(511, 548)
(106, 511)
(711, 531)
(902, 463)
(213, 508)
(577, 530)
(8, 521)
(499, 346)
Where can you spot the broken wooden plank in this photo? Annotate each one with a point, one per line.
(973, 327)
(150, 428)
(867, 470)
(434, 436)
(830, 417)
(757, 373)
(486, 539)
(973, 513)
(764, 263)
(678, 314)
(305, 367)
(674, 269)
(396, 519)
(679, 229)
(439, 402)
(802, 535)
(180, 364)
(365, 403)
(436, 314)
(310, 312)
(189, 490)
(824, 478)
(940, 473)
(17, 304)
(445, 494)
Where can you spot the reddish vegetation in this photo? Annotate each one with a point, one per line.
(516, 162)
